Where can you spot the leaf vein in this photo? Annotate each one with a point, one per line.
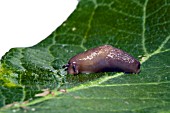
(143, 27)
(160, 8)
(135, 84)
(88, 28)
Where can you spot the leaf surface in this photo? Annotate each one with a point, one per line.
(139, 27)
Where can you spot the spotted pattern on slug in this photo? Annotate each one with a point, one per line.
(103, 59)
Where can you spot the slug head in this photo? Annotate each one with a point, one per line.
(71, 68)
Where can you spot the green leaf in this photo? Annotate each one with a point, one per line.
(139, 27)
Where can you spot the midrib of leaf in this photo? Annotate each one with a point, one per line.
(135, 84)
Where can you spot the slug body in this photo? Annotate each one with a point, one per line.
(103, 59)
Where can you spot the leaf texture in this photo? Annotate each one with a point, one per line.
(139, 27)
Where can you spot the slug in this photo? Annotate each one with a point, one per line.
(103, 59)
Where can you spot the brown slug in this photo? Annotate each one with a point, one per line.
(103, 59)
